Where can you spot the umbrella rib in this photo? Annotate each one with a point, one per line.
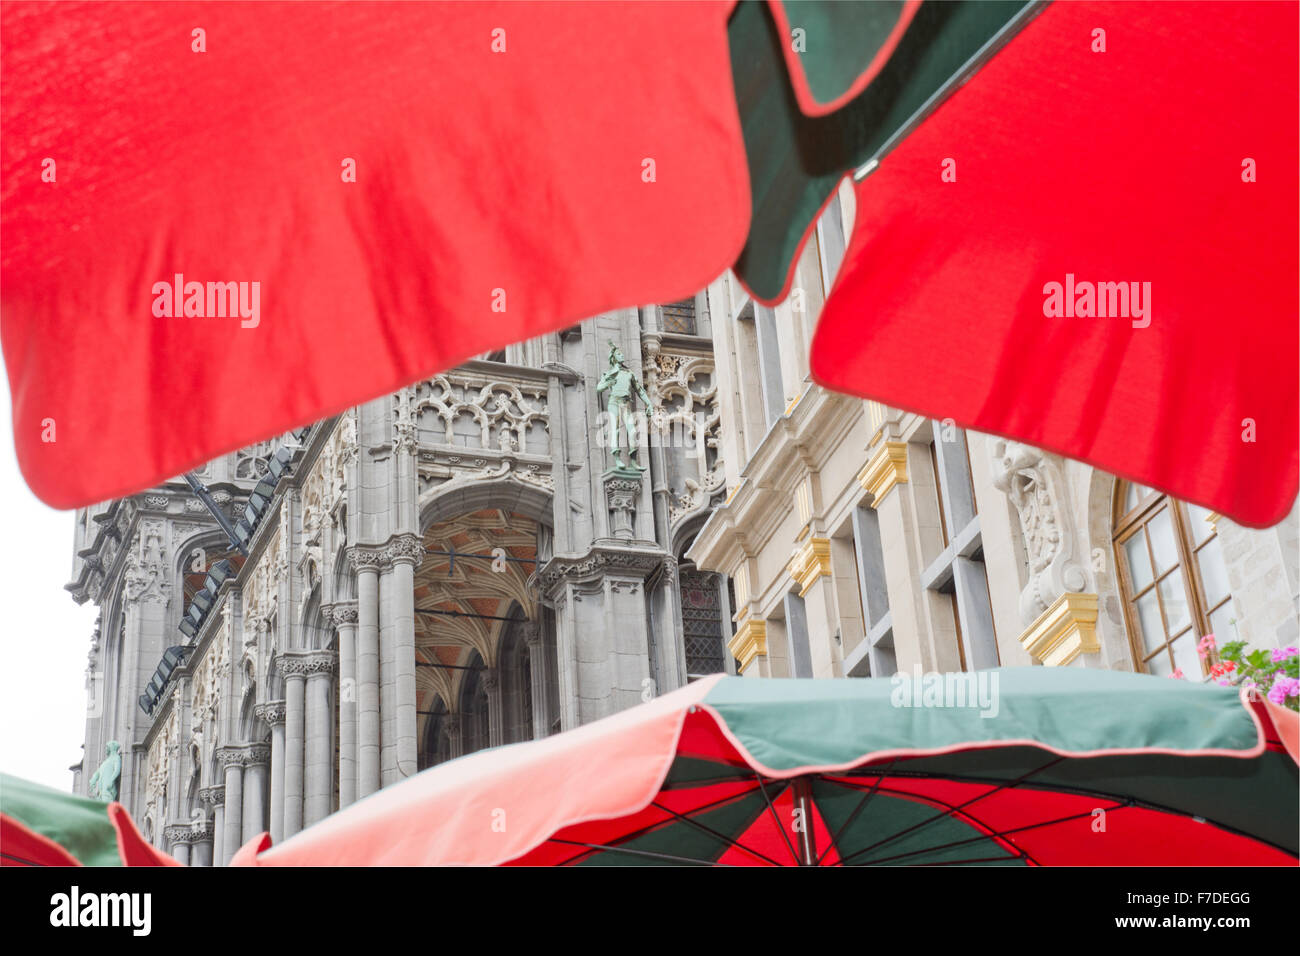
(721, 837)
(862, 804)
(776, 818)
(622, 849)
(650, 827)
(951, 810)
(995, 833)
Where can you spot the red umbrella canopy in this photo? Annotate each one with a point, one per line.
(223, 220)
(1092, 247)
(1032, 766)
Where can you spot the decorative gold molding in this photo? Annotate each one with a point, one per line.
(886, 468)
(749, 641)
(1212, 519)
(810, 561)
(1064, 631)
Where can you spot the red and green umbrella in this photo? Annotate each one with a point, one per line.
(1030, 766)
(40, 826)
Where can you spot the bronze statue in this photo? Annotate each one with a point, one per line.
(621, 381)
(103, 785)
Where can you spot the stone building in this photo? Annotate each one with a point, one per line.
(862, 540)
(464, 564)
(458, 565)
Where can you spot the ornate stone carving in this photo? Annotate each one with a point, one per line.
(621, 494)
(685, 414)
(405, 549)
(213, 797)
(344, 613)
(597, 563)
(481, 411)
(271, 713)
(146, 577)
(178, 834)
(1035, 484)
(366, 558)
(156, 502)
(307, 663)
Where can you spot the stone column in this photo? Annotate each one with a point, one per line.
(256, 758)
(320, 736)
(273, 713)
(201, 844)
(178, 842)
(232, 760)
(345, 619)
(455, 743)
(496, 713)
(541, 664)
(214, 799)
(294, 729)
(406, 552)
(367, 562)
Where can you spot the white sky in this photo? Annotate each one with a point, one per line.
(44, 634)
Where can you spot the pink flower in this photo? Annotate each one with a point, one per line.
(1177, 674)
(1206, 646)
(1283, 688)
(1284, 654)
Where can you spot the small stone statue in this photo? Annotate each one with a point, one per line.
(103, 785)
(621, 380)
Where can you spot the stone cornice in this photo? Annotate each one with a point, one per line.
(598, 562)
(1064, 631)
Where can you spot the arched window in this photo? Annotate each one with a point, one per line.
(1172, 577)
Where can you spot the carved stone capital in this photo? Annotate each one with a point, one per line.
(344, 613)
(213, 796)
(491, 680)
(230, 757)
(1064, 631)
(307, 663)
(598, 563)
(255, 755)
(366, 557)
(886, 468)
(178, 834)
(200, 831)
(749, 641)
(405, 549)
(271, 713)
(811, 560)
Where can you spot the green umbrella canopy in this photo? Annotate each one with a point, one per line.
(1030, 766)
(41, 826)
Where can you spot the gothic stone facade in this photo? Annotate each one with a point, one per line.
(451, 567)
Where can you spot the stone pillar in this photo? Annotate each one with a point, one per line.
(294, 730)
(367, 562)
(201, 844)
(345, 619)
(256, 760)
(178, 842)
(214, 799)
(496, 713)
(541, 664)
(406, 552)
(232, 760)
(273, 713)
(455, 743)
(320, 736)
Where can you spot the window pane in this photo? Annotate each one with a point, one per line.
(1221, 624)
(1174, 597)
(1153, 633)
(1160, 666)
(1200, 528)
(1164, 548)
(1139, 562)
(1134, 496)
(1214, 574)
(1185, 657)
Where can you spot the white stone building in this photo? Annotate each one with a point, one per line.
(864, 540)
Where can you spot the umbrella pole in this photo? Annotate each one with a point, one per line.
(803, 801)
